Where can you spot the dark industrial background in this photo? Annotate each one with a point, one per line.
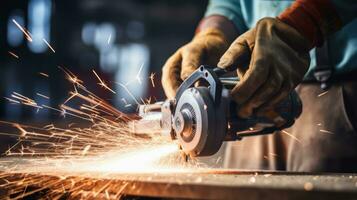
(115, 38)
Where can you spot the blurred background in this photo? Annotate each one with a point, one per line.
(115, 38)
(118, 39)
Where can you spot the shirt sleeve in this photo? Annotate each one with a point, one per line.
(231, 9)
(346, 9)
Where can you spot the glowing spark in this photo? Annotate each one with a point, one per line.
(152, 76)
(101, 82)
(26, 32)
(142, 101)
(218, 159)
(138, 78)
(43, 74)
(270, 155)
(24, 100)
(124, 100)
(70, 76)
(85, 150)
(49, 46)
(109, 38)
(13, 54)
(12, 101)
(292, 136)
(326, 131)
(23, 131)
(273, 154)
(130, 94)
(148, 101)
(41, 95)
(8, 152)
(322, 94)
(107, 194)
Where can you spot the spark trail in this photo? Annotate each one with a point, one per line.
(69, 155)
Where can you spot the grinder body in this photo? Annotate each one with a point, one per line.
(201, 118)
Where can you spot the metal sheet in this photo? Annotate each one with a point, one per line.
(207, 184)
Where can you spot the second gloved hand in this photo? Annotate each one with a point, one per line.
(205, 48)
(271, 60)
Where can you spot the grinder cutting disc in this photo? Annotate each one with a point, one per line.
(198, 123)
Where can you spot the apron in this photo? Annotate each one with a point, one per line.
(323, 138)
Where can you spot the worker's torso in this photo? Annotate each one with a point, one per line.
(342, 45)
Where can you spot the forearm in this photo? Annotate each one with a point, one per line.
(221, 23)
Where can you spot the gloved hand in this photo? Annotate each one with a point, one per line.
(271, 60)
(205, 48)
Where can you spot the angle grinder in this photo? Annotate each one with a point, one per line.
(201, 118)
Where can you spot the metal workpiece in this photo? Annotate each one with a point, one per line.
(198, 184)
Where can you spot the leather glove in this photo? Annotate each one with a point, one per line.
(205, 48)
(271, 60)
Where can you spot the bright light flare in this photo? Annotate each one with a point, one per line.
(139, 161)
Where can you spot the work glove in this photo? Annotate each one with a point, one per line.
(205, 48)
(271, 59)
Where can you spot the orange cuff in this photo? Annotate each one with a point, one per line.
(314, 19)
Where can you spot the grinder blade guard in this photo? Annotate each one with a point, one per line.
(199, 121)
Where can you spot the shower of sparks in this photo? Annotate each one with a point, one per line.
(49, 46)
(102, 83)
(13, 54)
(76, 158)
(26, 32)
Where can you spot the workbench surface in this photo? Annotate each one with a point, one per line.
(194, 183)
(213, 184)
